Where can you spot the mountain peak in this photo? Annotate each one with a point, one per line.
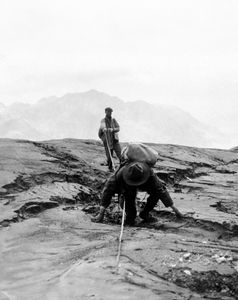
(93, 92)
(78, 115)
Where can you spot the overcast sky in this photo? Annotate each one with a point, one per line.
(177, 52)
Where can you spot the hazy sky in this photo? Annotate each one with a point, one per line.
(179, 52)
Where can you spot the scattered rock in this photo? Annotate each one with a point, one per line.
(187, 272)
(187, 255)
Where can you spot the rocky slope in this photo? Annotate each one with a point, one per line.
(50, 248)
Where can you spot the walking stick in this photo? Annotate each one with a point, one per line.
(121, 234)
(109, 151)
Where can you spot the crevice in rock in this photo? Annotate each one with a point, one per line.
(85, 195)
(25, 182)
(35, 207)
(52, 152)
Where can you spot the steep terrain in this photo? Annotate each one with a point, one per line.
(50, 249)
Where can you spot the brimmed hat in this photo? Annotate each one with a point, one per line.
(108, 109)
(136, 173)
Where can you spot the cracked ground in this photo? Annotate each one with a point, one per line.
(50, 248)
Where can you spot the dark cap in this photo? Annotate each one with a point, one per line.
(136, 173)
(108, 109)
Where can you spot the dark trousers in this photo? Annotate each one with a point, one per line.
(156, 191)
(117, 148)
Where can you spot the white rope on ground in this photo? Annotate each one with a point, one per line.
(109, 150)
(121, 234)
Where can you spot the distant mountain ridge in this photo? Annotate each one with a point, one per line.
(77, 115)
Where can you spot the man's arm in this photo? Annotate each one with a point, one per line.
(116, 127)
(103, 129)
(100, 133)
(107, 194)
(176, 211)
(166, 198)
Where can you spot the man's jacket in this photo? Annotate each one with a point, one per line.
(116, 185)
(111, 135)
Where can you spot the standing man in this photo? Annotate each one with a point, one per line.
(108, 133)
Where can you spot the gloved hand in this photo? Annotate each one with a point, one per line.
(177, 212)
(108, 129)
(100, 216)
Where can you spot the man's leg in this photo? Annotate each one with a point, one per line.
(155, 189)
(108, 192)
(117, 149)
(109, 161)
(130, 206)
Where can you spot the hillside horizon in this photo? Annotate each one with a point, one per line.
(77, 115)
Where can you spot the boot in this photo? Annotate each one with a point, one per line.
(146, 216)
(129, 222)
(100, 216)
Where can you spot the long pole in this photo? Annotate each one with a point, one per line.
(121, 234)
(109, 151)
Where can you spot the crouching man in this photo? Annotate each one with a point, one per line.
(127, 181)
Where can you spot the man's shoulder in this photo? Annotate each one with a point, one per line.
(119, 171)
(114, 120)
